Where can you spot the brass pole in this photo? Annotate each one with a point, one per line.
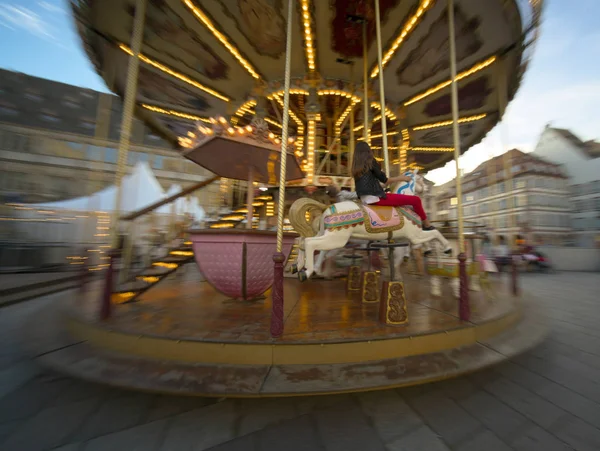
(365, 86)
(128, 107)
(455, 129)
(351, 149)
(284, 130)
(384, 141)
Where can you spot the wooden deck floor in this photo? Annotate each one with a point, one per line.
(187, 308)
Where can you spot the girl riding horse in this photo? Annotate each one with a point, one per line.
(368, 178)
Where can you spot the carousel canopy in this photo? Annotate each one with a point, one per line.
(206, 58)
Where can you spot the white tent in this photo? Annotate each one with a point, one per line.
(182, 205)
(139, 189)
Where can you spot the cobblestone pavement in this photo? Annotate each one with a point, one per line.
(548, 399)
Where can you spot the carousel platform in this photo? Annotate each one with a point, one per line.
(183, 337)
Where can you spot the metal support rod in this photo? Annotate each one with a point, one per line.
(384, 142)
(128, 106)
(333, 143)
(365, 86)
(279, 257)
(351, 147)
(455, 129)
(250, 198)
(506, 158)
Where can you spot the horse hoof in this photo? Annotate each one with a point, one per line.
(448, 251)
(302, 276)
(427, 253)
(294, 268)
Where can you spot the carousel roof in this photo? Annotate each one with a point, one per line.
(205, 58)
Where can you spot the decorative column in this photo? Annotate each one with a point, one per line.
(351, 146)
(384, 141)
(124, 138)
(250, 198)
(464, 308)
(278, 257)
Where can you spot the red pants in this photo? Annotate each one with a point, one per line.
(400, 200)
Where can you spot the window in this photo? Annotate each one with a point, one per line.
(8, 111)
(70, 103)
(95, 153)
(132, 158)
(110, 155)
(158, 162)
(87, 94)
(50, 118)
(88, 125)
(33, 96)
(153, 137)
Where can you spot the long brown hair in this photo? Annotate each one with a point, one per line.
(362, 160)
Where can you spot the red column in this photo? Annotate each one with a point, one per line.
(277, 309)
(106, 303)
(514, 276)
(464, 307)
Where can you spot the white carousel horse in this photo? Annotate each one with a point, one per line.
(348, 219)
(415, 187)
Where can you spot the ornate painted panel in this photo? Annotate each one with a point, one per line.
(431, 56)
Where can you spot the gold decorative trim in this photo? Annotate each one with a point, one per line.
(203, 352)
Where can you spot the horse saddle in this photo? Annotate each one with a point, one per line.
(382, 219)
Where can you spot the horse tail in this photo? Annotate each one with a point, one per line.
(297, 215)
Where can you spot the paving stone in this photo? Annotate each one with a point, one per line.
(577, 433)
(567, 377)
(114, 415)
(484, 441)
(50, 427)
(81, 390)
(32, 396)
(167, 406)
(245, 443)
(525, 402)
(298, 434)
(557, 394)
(202, 428)
(445, 417)
(140, 438)
(344, 427)
(16, 376)
(390, 415)
(256, 414)
(457, 389)
(7, 428)
(308, 404)
(71, 447)
(422, 439)
(538, 439)
(499, 418)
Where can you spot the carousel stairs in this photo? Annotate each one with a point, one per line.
(147, 278)
(237, 215)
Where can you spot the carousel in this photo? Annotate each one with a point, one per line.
(276, 93)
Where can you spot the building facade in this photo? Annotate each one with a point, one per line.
(513, 194)
(60, 141)
(581, 160)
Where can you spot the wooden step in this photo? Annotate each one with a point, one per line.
(135, 285)
(154, 271)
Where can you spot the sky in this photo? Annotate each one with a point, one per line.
(560, 87)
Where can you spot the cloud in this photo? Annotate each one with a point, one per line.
(41, 24)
